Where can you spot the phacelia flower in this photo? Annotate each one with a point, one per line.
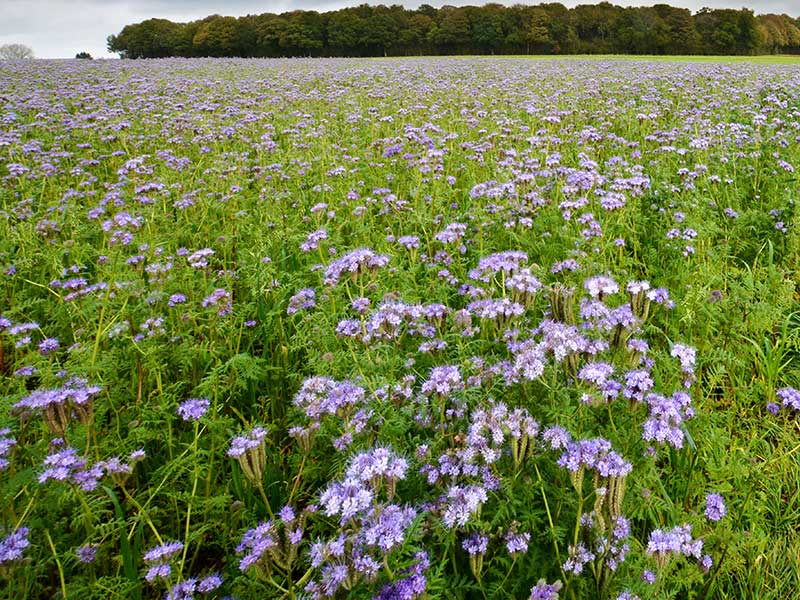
(193, 409)
(715, 507)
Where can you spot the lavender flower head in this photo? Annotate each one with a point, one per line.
(411, 587)
(320, 396)
(249, 441)
(545, 591)
(443, 381)
(86, 554)
(193, 409)
(475, 544)
(676, 541)
(353, 263)
(12, 547)
(66, 466)
(163, 552)
(346, 499)
(249, 451)
(48, 346)
(256, 543)
(790, 397)
(377, 464)
(517, 543)
(6, 444)
(304, 299)
(579, 556)
(715, 507)
(501, 262)
(601, 286)
(220, 299)
(157, 559)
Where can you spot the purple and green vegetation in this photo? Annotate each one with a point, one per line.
(549, 28)
(399, 329)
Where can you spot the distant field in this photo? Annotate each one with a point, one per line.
(766, 60)
(400, 328)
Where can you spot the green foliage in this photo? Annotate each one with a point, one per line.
(491, 29)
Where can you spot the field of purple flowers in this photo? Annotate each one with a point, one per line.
(399, 329)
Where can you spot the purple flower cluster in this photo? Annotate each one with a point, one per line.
(13, 545)
(272, 542)
(410, 242)
(502, 262)
(561, 339)
(367, 473)
(158, 558)
(475, 544)
(250, 441)
(545, 591)
(369, 527)
(249, 451)
(677, 541)
(199, 258)
(666, 418)
(7, 443)
(391, 319)
(462, 502)
(523, 286)
(715, 507)
(412, 586)
(443, 381)
(48, 345)
(176, 299)
(452, 233)
(530, 360)
(193, 409)
(376, 466)
(491, 428)
(304, 299)
(579, 556)
(499, 310)
(67, 465)
(320, 396)
(186, 589)
(615, 547)
(86, 554)
(256, 543)
(75, 392)
(596, 455)
(600, 286)
(688, 359)
(790, 397)
(517, 543)
(313, 239)
(219, 299)
(353, 263)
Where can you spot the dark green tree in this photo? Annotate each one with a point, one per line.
(451, 32)
(153, 38)
(217, 36)
(381, 30)
(303, 34)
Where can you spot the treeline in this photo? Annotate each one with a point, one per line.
(491, 29)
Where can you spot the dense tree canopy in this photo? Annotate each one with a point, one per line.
(490, 29)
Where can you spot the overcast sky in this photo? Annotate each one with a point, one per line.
(62, 28)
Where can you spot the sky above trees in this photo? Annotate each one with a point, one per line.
(62, 28)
